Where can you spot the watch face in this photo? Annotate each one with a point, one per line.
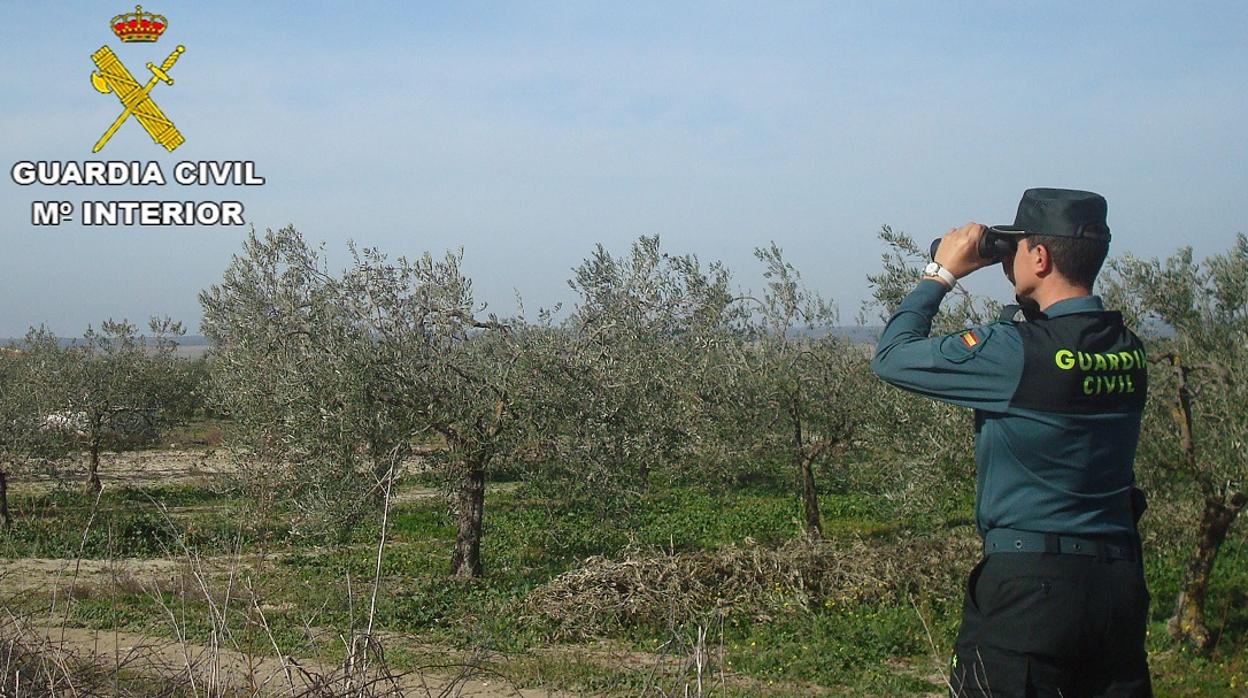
(931, 269)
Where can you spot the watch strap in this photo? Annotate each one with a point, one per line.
(935, 269)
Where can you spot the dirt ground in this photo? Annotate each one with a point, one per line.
(40, 574)
(176, 466)
(180, 467)
(267, 676)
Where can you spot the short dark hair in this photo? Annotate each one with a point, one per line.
(1077, 259)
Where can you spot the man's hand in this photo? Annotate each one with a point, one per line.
(959, 250)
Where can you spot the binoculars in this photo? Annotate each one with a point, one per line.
(992, 245)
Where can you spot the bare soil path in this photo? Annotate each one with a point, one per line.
(256, 675)
(181, 467)
(137, 469)
(33, 574)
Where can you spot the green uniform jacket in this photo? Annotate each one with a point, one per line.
(1064, 470)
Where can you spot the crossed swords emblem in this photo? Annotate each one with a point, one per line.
(111, 76)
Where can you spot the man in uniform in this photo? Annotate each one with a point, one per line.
(1058, 604)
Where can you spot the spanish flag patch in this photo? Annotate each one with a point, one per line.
(969, 339)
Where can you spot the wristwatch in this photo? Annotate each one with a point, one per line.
(934, 269)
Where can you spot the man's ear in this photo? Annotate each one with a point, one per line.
(1041, 261)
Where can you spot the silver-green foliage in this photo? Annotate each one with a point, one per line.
(27, 396)
(1195, 317)
(334, 380)
(635, 351)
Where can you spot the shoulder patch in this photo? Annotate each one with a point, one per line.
(961, 346)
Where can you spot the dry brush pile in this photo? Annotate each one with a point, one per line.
(650, 587)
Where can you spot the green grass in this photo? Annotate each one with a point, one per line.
(126, 522)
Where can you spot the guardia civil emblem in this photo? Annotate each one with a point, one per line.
(111, 75)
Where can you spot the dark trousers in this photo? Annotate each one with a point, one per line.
(1038, 625)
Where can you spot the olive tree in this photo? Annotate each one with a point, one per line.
(27, 398)
(634, 347)
(449, 370)
(334, 379)
(794, 386)
(1195, 318)
(664, 362)
(295, 374)
(115, 387)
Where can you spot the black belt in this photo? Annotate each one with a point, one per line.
(1008, 540)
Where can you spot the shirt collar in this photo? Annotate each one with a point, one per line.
(1070, 306)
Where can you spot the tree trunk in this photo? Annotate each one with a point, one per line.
(4, 500)
(470, 508)
(1221, 508)
(810, 502)
(93, 477)
(806, 473)
(1188, 622)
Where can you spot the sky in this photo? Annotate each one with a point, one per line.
(528, 132)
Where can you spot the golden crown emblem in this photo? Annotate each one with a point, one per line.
(139, 25)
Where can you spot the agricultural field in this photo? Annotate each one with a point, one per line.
(368, 486)
(696, 585)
